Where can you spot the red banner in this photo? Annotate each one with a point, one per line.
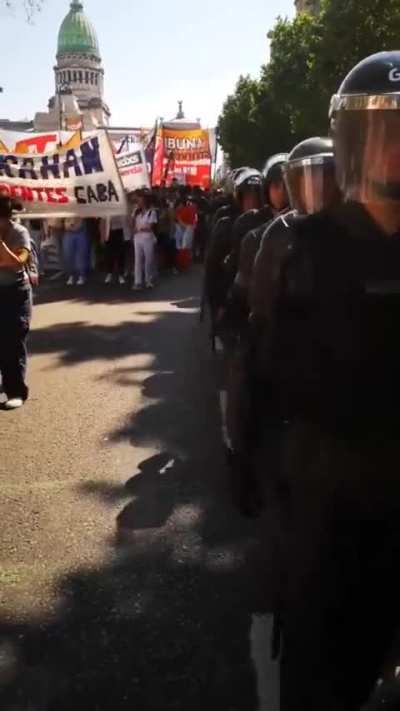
(184, 155)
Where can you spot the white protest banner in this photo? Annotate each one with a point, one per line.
(79, 178)
(132, 168)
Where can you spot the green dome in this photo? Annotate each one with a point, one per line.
(77, 33)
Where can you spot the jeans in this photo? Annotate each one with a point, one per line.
(144, 252)
(75, 249)
(15, 316)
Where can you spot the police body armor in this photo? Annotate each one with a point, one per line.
(333, 356)
(335, 351)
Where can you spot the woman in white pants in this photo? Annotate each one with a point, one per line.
(144, 222)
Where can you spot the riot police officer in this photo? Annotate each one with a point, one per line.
(310, 182)
(247, 197)
(329, 302)
(274, 183)
(275, 201)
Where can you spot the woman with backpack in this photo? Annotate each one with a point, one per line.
(15, 305)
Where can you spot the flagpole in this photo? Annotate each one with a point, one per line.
(116, 165)
(154, 151)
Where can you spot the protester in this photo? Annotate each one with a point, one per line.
(144, 221)
(15, 305)
(186, 217)
(75, 248)
(114, 235)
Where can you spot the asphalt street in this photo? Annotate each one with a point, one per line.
(128, 580)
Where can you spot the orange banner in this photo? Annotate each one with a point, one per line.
(184, 155)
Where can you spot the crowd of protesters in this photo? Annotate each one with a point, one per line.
(165, 229)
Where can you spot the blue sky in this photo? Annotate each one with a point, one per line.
(154, 53)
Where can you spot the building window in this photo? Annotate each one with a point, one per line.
(96, 79)
(69, 76)
(87, 77)
(80, 77)
(75, 77)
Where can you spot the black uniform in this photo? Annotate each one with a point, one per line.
(252, 414)
(215, 276)
(329, 298)
(246, 222)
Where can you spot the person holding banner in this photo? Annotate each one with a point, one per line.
(15, 305)
(144, 222)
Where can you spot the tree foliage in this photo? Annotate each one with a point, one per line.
(30, 7)
(310, 56)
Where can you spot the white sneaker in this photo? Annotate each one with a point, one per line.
(149, 285)
(71, 281)
(108, 279)
(81, 281)
(14, 403)
(121, 280)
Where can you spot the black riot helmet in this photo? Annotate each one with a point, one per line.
(249, 182)
(310, 176)
(273, 177)
(273, 166)
(365, 121)
(231, 178)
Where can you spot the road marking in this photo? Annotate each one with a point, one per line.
(266, 669)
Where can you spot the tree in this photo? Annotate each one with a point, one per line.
(290, 76)
(310, 56)
(31, 7)
(237, 129)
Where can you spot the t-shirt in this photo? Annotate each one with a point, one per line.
(188, 215)
(18, 238)
(74, 224)
(146, 221)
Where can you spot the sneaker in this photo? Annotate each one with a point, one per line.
(108, 279)
(121, 280)
(81, 281)
(14, 403)
(149, 285)
(71, 281)
(137, 287)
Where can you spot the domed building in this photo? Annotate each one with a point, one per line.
(79, 77)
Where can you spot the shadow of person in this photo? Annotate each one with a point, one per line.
(154, 491)
(192, 302)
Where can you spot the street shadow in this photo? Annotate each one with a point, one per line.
(174, 288)
(192, 303)
(80, 341)
(164, 624)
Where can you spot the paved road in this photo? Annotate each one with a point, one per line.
(127, 579)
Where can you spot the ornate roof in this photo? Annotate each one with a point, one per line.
(77, 34)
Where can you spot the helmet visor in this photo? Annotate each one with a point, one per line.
(367, 147)
(311, 184)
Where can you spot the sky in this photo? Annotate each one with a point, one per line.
(154, 53)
